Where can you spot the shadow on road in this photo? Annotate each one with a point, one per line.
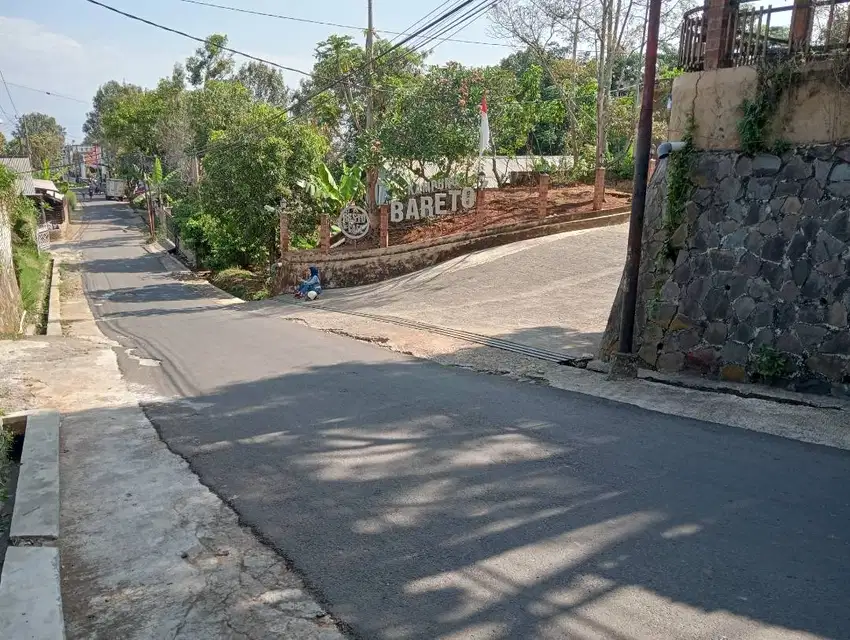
(417, 516)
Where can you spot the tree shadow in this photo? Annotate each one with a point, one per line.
(423, 502)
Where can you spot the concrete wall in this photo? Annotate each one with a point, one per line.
(762, 264)
(10, 295)
(815, 111)
(346, 269)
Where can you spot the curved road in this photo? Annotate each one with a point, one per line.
(428, 502)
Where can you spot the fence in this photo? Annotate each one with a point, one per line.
(753, 34)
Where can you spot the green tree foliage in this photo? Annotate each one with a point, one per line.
(340, 112)
(130, 122)
(215, 107)
(104, 100)
(2, 144)
(249, 169)
(210, 62)
(39, 136)
(265, 83)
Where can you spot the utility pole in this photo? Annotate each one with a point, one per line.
(625, 362)
(371, 171)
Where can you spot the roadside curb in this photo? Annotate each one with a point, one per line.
(30, 584)
(54, 313)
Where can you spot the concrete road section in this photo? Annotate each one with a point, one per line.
(552, 293)
(429, 502)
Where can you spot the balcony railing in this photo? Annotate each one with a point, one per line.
(807, 29)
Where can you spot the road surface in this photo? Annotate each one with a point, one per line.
(428, 502)
(553, 293)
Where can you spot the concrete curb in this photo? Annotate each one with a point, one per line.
(54, 313)
(30, 585)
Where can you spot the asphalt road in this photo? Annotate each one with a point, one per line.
(429, 502)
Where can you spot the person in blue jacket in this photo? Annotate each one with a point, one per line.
(311, 282)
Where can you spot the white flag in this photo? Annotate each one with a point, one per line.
(484, 139)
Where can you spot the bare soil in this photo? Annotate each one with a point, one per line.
(510, 205)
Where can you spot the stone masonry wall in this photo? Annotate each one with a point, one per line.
(762, 269)
(10, 296)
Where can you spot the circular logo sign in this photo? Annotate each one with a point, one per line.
(354, 222)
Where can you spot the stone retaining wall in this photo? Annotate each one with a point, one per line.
(761, 274)
(348, 269)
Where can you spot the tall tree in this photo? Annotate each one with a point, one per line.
(2, 144)
(248, 169)
(210, 62)
(105, 97)
(340, 111)
(40, 137)
(264, 82)
(215, 108)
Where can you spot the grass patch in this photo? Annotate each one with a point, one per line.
(241, 283)
(33, 270)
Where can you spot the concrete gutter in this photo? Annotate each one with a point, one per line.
(30, 587)
(54, 314)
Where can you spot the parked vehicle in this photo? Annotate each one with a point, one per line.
(115, 189)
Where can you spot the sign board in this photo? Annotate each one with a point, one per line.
(434, 198)
(354, 222)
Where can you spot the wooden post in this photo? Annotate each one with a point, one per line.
(717, 17)
(801, 23)
(599, 189)
(384, 237)
(325, 233)
(542, 194)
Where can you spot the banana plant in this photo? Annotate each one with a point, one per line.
(331, 195)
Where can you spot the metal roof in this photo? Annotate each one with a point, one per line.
(23, 170)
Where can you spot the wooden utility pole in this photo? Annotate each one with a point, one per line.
(371, 171)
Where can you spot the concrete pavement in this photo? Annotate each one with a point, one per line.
(426, 502)
(552, 293)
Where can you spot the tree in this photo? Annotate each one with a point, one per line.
(40, 137)
(104, 100)
(130, 123)
(2, 144)
(340, 111)
(210, 62)
(264, 82)
(215, 107)
(249, 168)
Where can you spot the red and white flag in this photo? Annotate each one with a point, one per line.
(484, 138)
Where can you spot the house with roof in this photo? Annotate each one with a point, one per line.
(44, 193)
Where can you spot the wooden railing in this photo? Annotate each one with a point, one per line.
(806, 29)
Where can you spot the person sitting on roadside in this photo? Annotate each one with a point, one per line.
(310, 284)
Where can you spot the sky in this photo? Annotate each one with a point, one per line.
(71, 47)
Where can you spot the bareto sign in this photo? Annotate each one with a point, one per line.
(434, 198)
(354, 222)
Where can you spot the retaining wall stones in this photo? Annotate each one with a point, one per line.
(761, 276)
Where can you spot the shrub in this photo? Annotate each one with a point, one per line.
(71, 198)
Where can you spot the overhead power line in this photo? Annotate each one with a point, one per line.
(21, 121)
(195, 38)
(49, 93)
(328, 24)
